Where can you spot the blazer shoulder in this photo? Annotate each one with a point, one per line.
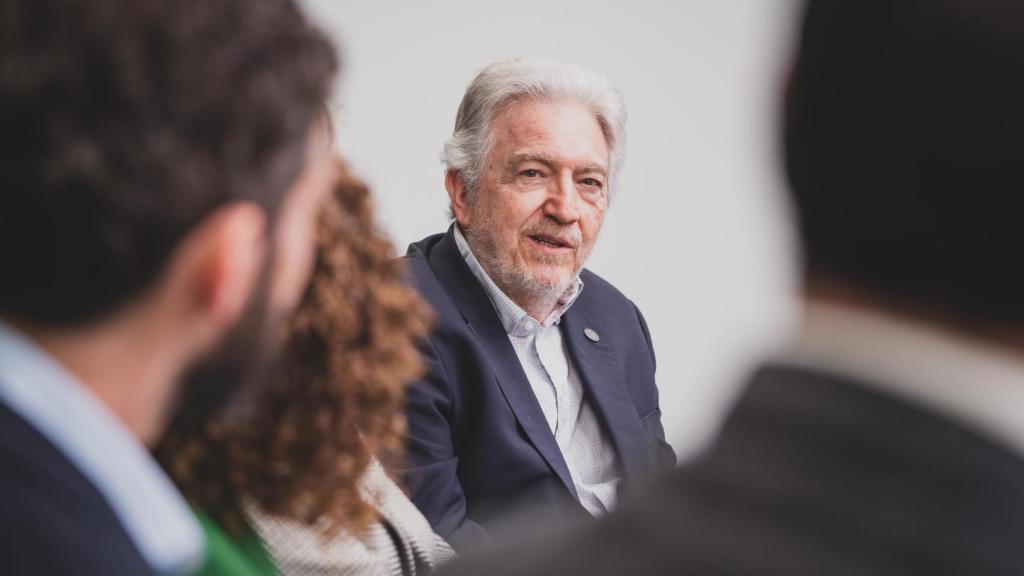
(593, 281)
(601, 301)
(48, 506)
(417, 260)
(421, 249)
(34, 474)
(597, 290)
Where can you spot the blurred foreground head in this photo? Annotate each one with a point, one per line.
(162, 174)
(298, 448)
(904, 131)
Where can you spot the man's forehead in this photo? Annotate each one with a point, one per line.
(543, 119)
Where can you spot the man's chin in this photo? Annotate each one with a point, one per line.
(551, 282)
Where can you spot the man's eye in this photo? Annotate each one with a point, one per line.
(530, 173)
(592, 182)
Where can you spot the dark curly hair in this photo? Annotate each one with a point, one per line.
(126, 123)
(335, 401)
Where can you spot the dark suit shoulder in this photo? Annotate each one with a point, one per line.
(602, 300)
(592, 281)
(52, 519)
(608, 308)
(595, 286)
(420, 261)
(813, 473)
(418, 253)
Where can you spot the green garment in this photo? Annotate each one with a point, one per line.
(227, 556)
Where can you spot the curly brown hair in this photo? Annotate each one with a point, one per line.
(335, 400)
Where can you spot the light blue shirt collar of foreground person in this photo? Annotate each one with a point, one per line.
(53, 401)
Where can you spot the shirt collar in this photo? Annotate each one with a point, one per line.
(53, 401)
(975, 382)
(515, 320)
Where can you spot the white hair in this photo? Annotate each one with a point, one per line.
(504, 83)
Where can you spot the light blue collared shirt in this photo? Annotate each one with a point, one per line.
(53, 401)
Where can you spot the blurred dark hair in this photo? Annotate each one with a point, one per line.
(904, 138)
(126, 122)
(299, 448)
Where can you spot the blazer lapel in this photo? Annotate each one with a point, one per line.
(605, 385)
(476, 308)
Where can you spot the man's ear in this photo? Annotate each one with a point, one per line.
(225, 257)
(456, 187)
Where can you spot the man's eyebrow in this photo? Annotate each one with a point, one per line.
(598, 168)
(551, 162)
(532, 157)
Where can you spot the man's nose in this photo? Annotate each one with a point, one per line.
(562, 200)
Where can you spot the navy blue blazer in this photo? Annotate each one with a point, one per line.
(479, 447)
(52, 519)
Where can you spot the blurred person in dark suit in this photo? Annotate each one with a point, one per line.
(161, 186)
(888, 437)
(540, 395)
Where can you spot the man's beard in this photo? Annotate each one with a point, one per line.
(518, 284)
(226, 384)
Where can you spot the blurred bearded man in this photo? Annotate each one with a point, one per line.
(163, 176)
(540, 396)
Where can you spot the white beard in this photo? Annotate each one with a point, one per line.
(524, 289)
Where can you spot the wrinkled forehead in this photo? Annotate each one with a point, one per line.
(558, 133)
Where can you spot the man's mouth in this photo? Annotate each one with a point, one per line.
(551, 242)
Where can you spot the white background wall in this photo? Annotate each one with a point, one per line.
(697, 236)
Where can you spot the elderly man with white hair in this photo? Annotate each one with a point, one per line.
(539, 400)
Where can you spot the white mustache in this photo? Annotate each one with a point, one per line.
(570, 237)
